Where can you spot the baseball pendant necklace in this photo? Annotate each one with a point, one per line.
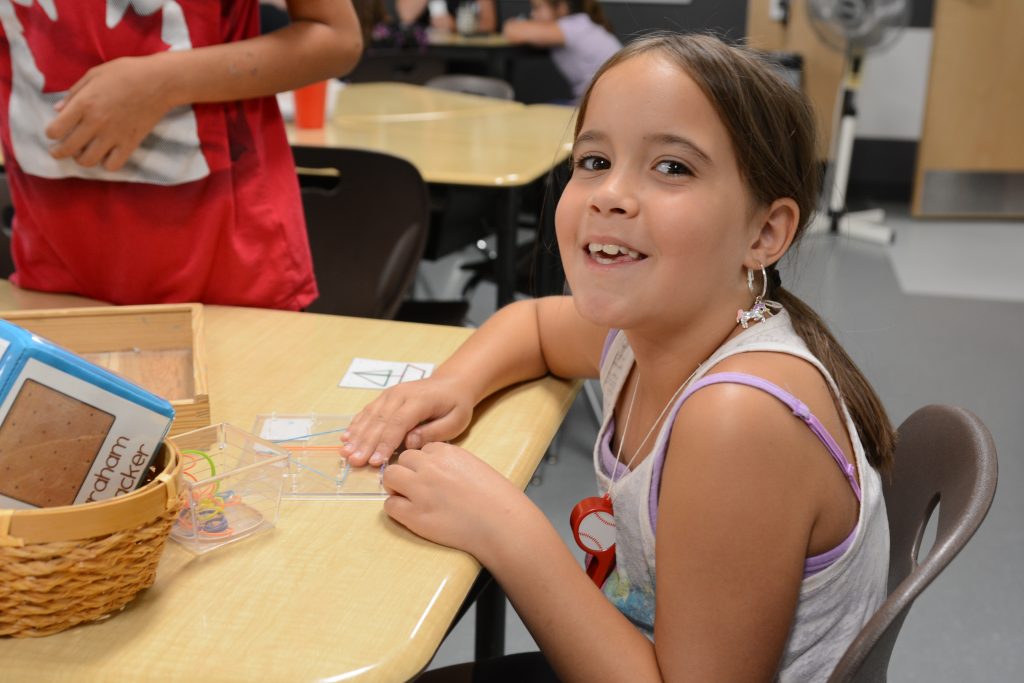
(593, 518)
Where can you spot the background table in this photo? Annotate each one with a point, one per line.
(402, 101)
(337, 591)
(479, 142)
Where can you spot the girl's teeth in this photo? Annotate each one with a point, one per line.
(602, 252)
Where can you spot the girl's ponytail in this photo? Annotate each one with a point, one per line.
(866, 409)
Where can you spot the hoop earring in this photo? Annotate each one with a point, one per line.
(762, 308)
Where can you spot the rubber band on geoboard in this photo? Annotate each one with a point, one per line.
(317, 467)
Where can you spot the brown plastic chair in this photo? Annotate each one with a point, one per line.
(366, 216)
(944, 455)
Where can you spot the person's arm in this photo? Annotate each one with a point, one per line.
(522, 341)
(487, 21)
(532, 32)
(108, 112)
(409, 10)
(737, 502)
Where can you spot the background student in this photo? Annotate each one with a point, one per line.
(146, 156)
(740, 448)
(576, 30)
(440, 14)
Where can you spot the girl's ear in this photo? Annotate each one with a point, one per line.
(774, 233)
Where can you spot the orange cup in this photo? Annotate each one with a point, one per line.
(310, 105)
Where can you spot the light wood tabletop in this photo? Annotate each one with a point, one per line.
(336, 591)
(449, 137)
(450, 38)
(503, 147)
(402, 101)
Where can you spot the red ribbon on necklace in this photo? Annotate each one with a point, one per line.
(593, 527)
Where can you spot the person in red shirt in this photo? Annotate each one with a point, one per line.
(146, 156)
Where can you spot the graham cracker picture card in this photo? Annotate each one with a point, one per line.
(70, 432)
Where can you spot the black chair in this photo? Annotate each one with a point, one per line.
(367, 218)
(6, 222)
(943, 455)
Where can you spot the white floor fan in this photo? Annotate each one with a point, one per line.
(853, 27)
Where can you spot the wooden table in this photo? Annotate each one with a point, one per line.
(404, 102)
(336, 591)
(454, 139)
(493, 50)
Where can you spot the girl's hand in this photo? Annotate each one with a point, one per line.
(432, 409)
(448, 495)
(108, 112)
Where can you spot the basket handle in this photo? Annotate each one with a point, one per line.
(6, 540)
(170, 481)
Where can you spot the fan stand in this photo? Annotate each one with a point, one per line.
(863, 225)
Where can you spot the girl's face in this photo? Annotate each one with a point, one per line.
(541, 10)
(656, 220)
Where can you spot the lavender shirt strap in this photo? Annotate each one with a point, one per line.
(607, 345)
(798, 407)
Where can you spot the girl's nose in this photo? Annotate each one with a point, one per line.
(614, 197)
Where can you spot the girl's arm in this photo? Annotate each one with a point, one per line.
(522, 341)
(532, 32)
(736, 508)
(108, 112)
(449, 496)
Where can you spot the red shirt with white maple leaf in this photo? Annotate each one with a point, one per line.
(207, 209)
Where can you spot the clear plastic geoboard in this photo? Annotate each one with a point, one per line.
(317, 469)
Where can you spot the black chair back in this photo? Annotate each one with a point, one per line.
(367, 217)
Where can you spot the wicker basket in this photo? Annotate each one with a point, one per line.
(62, 566)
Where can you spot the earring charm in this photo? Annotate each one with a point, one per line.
(762, 308)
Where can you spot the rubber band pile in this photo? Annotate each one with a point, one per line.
(208, 502)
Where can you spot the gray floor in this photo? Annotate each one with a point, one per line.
(936, 318)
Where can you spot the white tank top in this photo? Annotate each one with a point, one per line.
(834, 603)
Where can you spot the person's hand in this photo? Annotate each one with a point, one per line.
(416, 413)
(448, 495)
(108, 112)
(444, 22)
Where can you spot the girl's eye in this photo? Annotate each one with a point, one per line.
(671, 167)
(593, 163)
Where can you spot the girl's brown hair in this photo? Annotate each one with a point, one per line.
(771, 125)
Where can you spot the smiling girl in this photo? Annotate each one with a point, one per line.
(739, 452)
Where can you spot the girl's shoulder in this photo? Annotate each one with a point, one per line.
(761, 418)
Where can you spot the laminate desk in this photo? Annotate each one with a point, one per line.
(403, 101)
(496, 145)
(337, 591)
(493, 50)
